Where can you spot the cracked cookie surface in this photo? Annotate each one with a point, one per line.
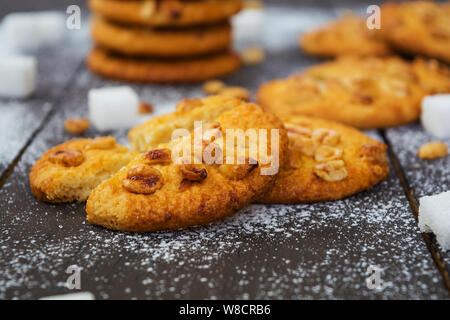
(70, 171)
(184, 70)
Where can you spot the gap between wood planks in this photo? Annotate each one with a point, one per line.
(57, 99)
(429, 239)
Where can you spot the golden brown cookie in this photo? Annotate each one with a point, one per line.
(154, 192)
(159, 130)
(348, 35)
(366, 92)
(418, 27)
(327, 161)
(166, 13)
(433, 77)
(161, 43)
(161, 71)
(70, 171)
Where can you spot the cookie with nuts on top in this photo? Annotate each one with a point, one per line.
(369, 92)
(158, 130)
(157, 191)
(70, 171)
(418, 27)
(172, 43)
(348, 35)
(167, 13)
(181, 70)
(327, 161)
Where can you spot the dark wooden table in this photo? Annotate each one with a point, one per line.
(315, 251)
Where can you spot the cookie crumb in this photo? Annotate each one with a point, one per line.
(213, 86)
(253, 55)
(235, 92)
(145, 108)
(433, 150)
(77, 125)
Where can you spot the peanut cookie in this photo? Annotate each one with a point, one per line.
(327, 161)
(418, 27)
(157, 192)
(433, 77)
(70, 171)
(198, 69)
(159, 130)
(167, 13)
(161, 43)
(348, 35)
(366, 92)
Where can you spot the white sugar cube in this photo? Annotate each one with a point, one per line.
(248, 26)
(436, 115)
(29, 31)
(17, 75)
(113, 108)
(434, 216)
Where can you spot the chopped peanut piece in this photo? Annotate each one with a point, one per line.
(300, 139)
(253, 55)
(213, 86)
(189, 104)
(158, 156)
(236, 92)
(433, 150)
(143, 180)
(67, 157)
(102, 143)
(331, 171)
(193, 173)
(77, 125)
(145, 108)
(327, 153)
(326, 136)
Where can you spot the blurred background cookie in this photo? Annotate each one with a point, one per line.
(163, 41)
(418, 27)
(347, 35)
(361, 92)
(167, 13)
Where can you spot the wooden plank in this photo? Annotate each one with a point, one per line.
(423, 177)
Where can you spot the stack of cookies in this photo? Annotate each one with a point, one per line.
(163, 41)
